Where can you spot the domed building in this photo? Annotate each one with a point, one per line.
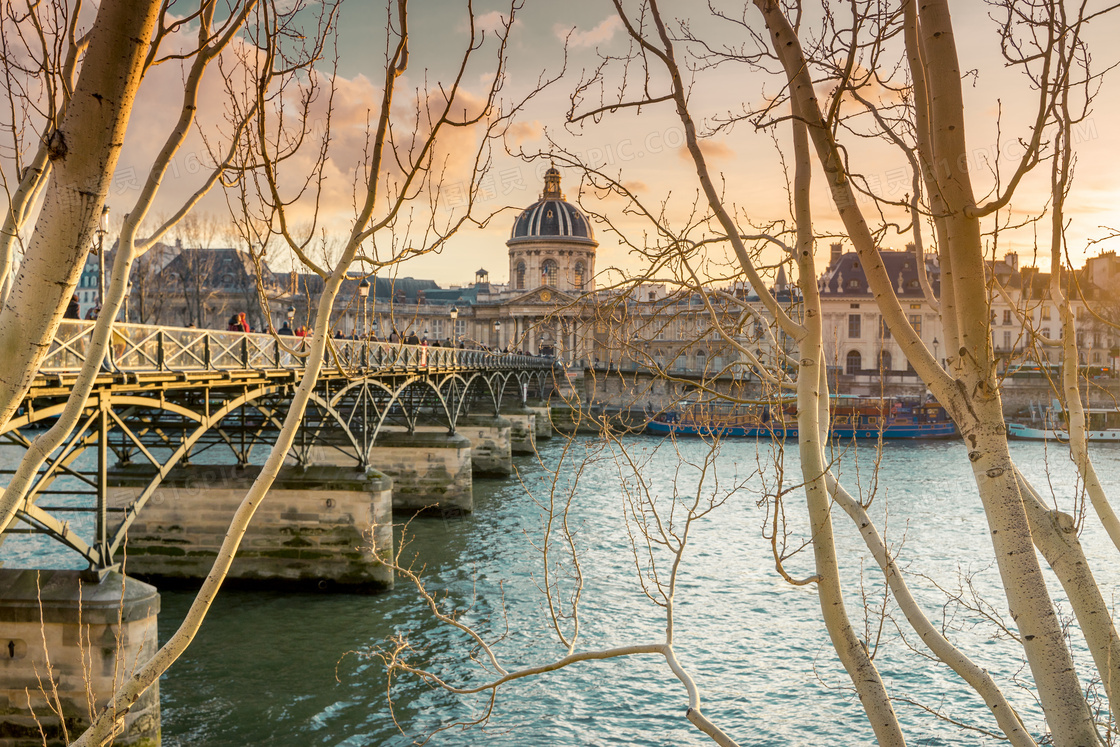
(552, 244)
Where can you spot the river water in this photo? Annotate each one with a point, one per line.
(283, 669)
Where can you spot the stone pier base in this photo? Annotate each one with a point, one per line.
(323, 527)
(93, 634)
(490, 443)
(522, 432)
(430, 469)
(542, 422)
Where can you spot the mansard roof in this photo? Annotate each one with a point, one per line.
(845, 276)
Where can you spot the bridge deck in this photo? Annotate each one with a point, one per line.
(155, 357)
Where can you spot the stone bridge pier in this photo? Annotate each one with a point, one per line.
(65, 640)
(523, 428)
(321, 527)
(430, 469)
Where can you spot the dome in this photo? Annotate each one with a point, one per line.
(552, 217)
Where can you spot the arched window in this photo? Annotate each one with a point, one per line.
(885, 361)
(579, 275)
(520, 276)
(854, 363)
(549, 271)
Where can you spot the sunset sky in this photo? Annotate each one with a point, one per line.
(644, 149)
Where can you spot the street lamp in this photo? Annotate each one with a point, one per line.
(127, 296)
(363, 292)
(935, 358)
(102, 229)
(498, 332)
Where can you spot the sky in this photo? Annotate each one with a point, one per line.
(642, 149)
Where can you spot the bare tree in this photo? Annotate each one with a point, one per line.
(845, 72)
(397, 171)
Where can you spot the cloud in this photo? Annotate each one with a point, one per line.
(522, 132)
(604, 32)
(493, 22)
(711, 149)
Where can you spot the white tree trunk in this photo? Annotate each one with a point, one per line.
(83, 152)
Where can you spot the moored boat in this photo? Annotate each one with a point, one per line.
(852, 417)
(1052, 424)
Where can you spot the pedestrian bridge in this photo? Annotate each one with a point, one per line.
(171, 400)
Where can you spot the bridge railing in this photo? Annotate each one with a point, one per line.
(146, 347)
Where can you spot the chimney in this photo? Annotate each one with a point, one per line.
(1012, 260)
(837, 250)
(179, 244)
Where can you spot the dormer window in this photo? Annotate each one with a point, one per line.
(853, 283)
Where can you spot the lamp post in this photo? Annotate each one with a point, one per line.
(127, 296)
(363, 292)
(935, 358)
(498, 333)
(102, 229)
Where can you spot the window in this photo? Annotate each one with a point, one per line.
(1045, 313)
(549, 271)
(1006, 340)
(579, 274)
(853, 364)
(1096, 356)
(916, 323)
(885, 360)
(854, 330)
(520, 276)
(1096, 339)
(853, 283)
(884, 330)
(1007, 316)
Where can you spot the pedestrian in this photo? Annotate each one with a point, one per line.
(412, 338)
(91, 315)
(73, 310)
(244, 322)
(284, 329)
(234, 324)
(395, 336)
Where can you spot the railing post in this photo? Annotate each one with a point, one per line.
(160, 355)
(206, 360)
(245, 352)
(276, 349)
